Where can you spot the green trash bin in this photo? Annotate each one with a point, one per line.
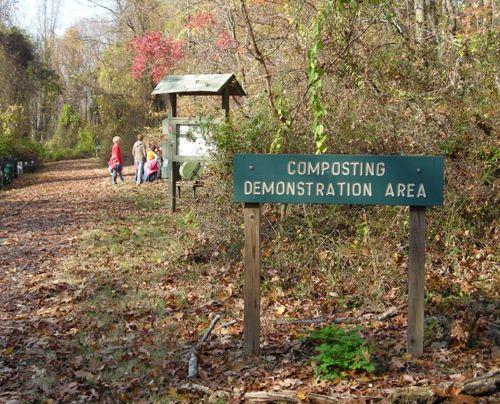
(191, 171)
(8, 171)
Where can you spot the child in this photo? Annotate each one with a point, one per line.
(115, 163)
(152, 154)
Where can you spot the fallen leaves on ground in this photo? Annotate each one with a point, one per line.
(103, 292)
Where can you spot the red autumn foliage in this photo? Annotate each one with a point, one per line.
(155, 55)
(201, 20)
(224, 41)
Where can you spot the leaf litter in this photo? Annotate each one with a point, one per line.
(104, 292)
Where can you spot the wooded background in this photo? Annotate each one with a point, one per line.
(404, 77)
(339, 76)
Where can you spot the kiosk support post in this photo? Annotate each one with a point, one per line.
(252, 257)
(225, 102)
(172, 113)
(416, 282)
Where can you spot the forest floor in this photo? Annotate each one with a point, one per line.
(103, 292)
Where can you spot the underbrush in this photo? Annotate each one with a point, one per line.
(153, 280)
(83, 147)
(22, 149)
(347, 257)
(50, 154)
(73, 139)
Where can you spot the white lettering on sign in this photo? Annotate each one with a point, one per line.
(309, 188)
(344, 188)
(268, 187)
(355, 168)
(405, 190)
(401, 190)
(319, 188)
(367, 189)
(280, 188)
(256, 187)
(410, 193)
(342, 179)
(330, 190)
(301, 188)
(389, 191)
(421, 191)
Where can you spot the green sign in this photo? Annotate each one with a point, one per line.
(338, 179)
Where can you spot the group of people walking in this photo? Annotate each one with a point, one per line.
(146, 161)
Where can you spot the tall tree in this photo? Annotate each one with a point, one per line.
(6, 7)
(420, 20)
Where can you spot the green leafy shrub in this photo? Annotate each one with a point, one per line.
(68, 124)
(86, 141)
(73, 139)
(13, 140)
(22, 149)
(245, 136)
(52, 154)
(340, 351)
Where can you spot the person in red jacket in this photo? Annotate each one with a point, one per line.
(115, 163)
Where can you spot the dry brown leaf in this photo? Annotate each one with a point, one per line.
(458, 333)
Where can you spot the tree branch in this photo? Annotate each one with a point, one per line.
(262, 62)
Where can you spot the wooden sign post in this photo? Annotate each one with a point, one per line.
(252, 279)
(415, 181)
(172, 172)
(416, 282)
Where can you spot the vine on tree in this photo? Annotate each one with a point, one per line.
(315, 79)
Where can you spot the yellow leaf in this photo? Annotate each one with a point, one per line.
(224, 331)
(407, 356)
(237, 366)
(301, 395)
(280, 310)
(73, 331)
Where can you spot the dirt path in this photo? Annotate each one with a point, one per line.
(40, 217)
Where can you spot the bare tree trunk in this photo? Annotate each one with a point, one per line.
(419, 20)
(495, 14)
(231, 24)
(432, 18)
(488, 15)
(450, 11)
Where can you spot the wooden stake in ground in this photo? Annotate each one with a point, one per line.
(252, 257)
(195, 350)
(416, 282)
(172, 113)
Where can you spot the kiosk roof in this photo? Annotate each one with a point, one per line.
(199, 84)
